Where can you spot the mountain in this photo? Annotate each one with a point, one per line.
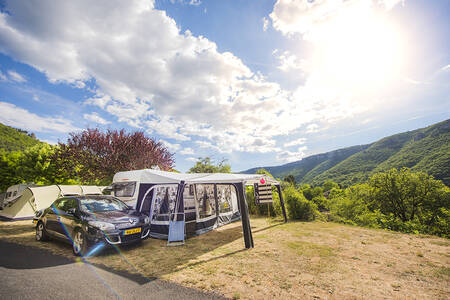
(12, 139)
(426, 149)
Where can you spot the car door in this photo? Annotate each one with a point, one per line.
(66, 217)
(52, 217)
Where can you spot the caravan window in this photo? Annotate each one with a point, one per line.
(124, 189)
(205, 200)
(164, 202)
(224, 192)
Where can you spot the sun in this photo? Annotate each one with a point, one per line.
(358, 48)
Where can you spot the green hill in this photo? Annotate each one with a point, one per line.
(426, 149)
(12, 139)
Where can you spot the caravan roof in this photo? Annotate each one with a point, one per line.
(156, 176)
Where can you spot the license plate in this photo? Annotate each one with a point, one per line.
(34, 221)
(132, 231)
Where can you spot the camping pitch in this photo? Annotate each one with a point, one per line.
(182, 205)
(40, 197)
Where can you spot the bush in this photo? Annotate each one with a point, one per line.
(297, 206)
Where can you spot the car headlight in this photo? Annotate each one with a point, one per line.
(104, 226)
(147, 220)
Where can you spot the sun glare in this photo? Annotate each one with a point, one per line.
(358, 48)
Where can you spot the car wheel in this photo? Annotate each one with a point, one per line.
(41, 233)
(79, 243)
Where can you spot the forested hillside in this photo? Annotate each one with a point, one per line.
(12, 139)
(426, 149)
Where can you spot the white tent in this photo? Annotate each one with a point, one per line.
(37, 198)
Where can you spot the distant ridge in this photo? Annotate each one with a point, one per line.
(426, 149)
(13, 139)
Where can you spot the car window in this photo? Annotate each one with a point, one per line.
(65, 204)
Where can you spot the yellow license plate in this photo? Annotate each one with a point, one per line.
(132, 231)
(34, 221)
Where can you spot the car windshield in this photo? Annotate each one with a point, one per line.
(102, 204)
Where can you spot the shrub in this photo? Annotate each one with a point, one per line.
(297, 206)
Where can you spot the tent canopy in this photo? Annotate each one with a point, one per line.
(156, 176)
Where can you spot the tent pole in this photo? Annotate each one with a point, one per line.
(247, 230)
(282, 202)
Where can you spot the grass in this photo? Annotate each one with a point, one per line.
(303, 260)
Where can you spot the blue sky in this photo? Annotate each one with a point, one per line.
(255, 82)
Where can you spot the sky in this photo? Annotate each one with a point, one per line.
(257, 83)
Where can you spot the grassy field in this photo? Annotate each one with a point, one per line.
(295, 260)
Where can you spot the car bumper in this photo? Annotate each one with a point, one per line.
(118, 236)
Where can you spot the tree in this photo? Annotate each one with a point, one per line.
(403, 193)
(328, 185)
(35, 164)
(290, 179)
(95, 156)
(207, 165)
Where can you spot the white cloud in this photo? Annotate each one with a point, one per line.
(36, 98)
(94, 117)
(194, 159)
(290, 62)
(288, 156)
(195, 2)
(3, 77)
(296, 142)
(265, 23)
(14, 76)
(303, 16)
(20, 118)
(156, 78)
(170, 146)
(187, 151)
(311, 128)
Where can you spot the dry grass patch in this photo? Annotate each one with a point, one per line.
(295, 260)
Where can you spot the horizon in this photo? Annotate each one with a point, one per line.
(257, 84)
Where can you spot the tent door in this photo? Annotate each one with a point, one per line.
(177, 220)
(176, 229)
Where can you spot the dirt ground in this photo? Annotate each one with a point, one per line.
(297, 260)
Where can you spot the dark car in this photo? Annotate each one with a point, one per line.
(86, 221)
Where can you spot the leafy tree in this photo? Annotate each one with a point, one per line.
(290, 179)
(310, 192)
(95, 156)
(35, 164)
(297, 206)
(207, 165)
(328, 185)
(403, 193)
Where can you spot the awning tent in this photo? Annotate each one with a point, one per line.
(202, 201)
(37, 198)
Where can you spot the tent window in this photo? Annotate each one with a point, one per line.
(124, 189)
(164, 202)
(224, 198)
(205, 200)
(188, 197)
(8, 195)
(15, 193)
